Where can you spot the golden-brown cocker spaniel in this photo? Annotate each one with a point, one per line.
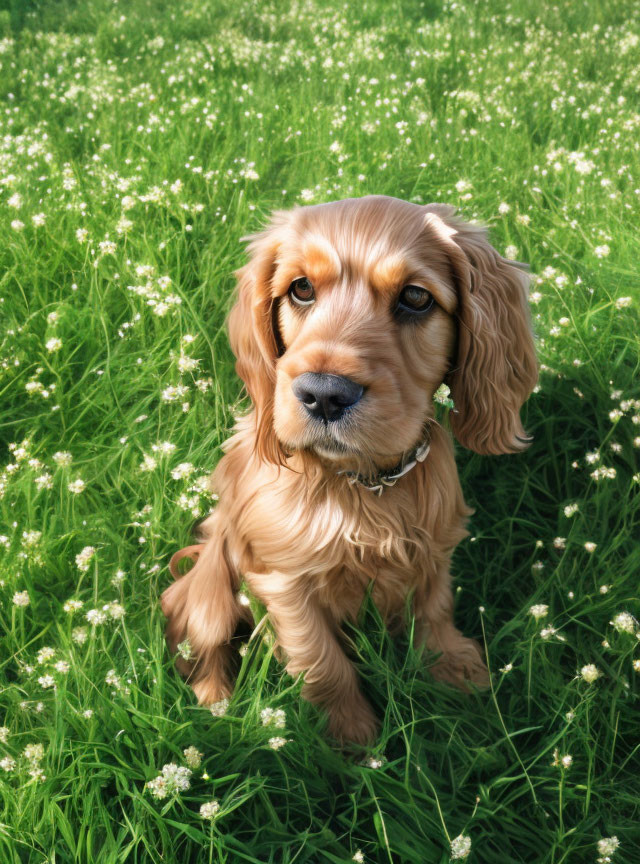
(349, 316)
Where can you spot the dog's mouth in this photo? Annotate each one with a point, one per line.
(327, 445)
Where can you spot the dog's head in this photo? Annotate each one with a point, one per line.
(351, 314)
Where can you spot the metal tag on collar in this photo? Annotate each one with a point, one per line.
(423, 451)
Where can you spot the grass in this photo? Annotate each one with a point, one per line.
(152, 136)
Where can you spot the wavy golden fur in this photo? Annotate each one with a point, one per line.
(308, 542)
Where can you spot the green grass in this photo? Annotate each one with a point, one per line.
(106, 105)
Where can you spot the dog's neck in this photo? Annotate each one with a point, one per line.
(376, 478)
(387, 477)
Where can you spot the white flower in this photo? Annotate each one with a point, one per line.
(112, 679)
(184, 469)
(165, 448)
(44, 481)
(174, 393)
(209, 809)
(273, 717)
(571, 510)
(62, 458)
(624, 622)
(31, 538)
(4, 734)
(17, 225)
(173, 780)
(590, 547)
(219, 709)
(565, 761)
(118, 578)
(88, 714)
(375, 761)
(95, 617)
(38, 219)
(539, 610)
(21, 598)
(590, 673)
(82, 235)
(83, 558)
(114, 610)
(504, 208)
(79, 635)
(601, 251)
(15, 201)
(358, 856)
(623, 302)
(463, 185)
(148, 463)
(7, 764)
(443, 396)
(34, 753)
(76, 486)
(45, 654)
(606, 848)
(193, 757)
(61, 666)
(277, 742)
(47, 681)
(185, 650)
(186, 363)
(53, 344)
(460, 847)
(72, 606)
(584, 166)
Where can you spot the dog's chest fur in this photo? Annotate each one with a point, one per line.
(335, 536)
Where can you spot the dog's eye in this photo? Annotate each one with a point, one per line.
(301, 292)
(414, 300)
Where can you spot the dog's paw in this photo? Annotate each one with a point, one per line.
(353, 723)
(462, 664)
(211, 689)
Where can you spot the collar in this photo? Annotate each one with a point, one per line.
(379, 482)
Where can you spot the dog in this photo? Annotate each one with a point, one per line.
(349, 316)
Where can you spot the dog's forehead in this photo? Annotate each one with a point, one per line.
(365, 244)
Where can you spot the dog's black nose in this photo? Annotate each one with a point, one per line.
(326, 396)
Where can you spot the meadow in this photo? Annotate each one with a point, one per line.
(139, 141)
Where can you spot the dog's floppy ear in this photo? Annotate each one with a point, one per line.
(495, 369)
(253, 338)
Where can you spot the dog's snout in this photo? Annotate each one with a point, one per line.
(326, 397)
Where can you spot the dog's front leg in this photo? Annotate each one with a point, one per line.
(460, 660)
(310, 642)
(202, 612)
